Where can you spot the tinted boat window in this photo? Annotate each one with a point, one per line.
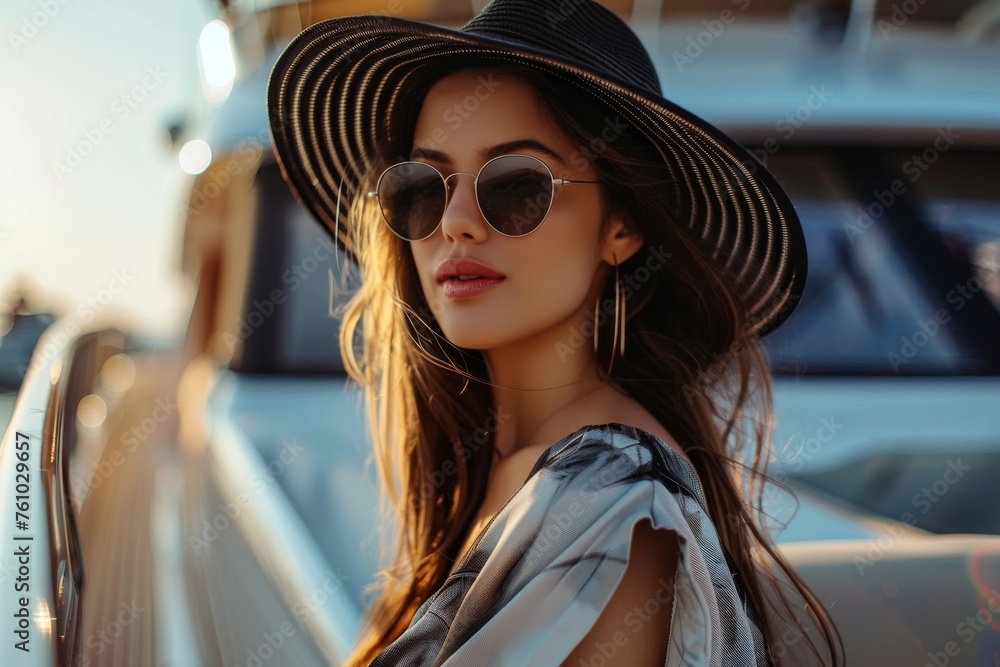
(898, 283)
(296, 280)
(314, 275)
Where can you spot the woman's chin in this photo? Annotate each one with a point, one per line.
(473, 341)
(473, 333)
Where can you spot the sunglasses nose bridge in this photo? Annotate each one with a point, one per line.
(449, 185)
(447, 178)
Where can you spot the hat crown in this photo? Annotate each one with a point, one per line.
(581, 30)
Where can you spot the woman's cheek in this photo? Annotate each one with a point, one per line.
(424, 270)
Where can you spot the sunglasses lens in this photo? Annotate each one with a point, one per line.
(515, 193)
(412, 199)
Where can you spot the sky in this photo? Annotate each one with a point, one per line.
(90, 186)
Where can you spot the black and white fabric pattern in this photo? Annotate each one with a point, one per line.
(540, 573)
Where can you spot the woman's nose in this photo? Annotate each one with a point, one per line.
(462, 217)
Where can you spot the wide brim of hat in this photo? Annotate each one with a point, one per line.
(336, 86)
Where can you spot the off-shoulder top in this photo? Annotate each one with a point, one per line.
(539, 574)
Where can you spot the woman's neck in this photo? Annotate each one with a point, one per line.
(535, 385)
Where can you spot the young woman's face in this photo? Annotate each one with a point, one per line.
(467, 118)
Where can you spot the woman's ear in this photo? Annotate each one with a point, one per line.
(622, 239)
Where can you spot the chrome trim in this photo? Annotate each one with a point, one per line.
(55, 566)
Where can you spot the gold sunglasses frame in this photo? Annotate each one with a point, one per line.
(447, 193)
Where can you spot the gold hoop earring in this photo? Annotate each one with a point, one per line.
(614, 339)
(621, 349)
(597, 307)
(619, 327)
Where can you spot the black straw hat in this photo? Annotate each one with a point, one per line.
(337, 86)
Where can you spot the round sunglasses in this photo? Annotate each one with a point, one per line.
(513, 192)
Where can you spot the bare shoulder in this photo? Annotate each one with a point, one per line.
(634, 625)
(620, 409)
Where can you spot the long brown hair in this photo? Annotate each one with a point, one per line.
(690, 360)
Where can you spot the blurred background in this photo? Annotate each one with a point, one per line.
(168, 336)
(95, 96)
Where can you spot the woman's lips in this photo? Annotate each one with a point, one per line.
(461, 289)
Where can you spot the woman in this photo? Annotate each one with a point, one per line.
(564, 279)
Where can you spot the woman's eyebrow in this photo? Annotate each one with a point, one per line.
(491, 152)
(429, 154)
(519, 144)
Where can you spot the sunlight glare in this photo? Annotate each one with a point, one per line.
(195, 156)
(216, 61)
(92, 411)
